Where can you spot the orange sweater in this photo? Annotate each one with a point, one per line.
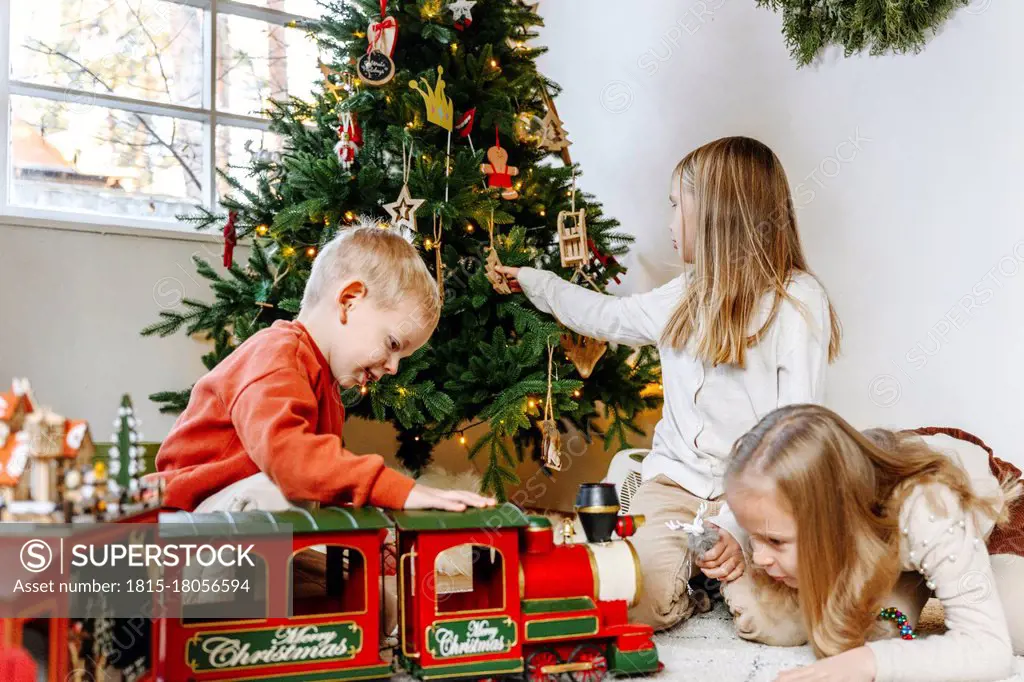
(272, 406)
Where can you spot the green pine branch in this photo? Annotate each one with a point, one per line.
(899, 26)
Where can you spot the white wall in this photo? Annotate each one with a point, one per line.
(73, 304)
(921, 213)
(906, 170)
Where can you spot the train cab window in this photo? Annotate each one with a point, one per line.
(246, 598)
(35, 638)
(328, 579)
(469, 578)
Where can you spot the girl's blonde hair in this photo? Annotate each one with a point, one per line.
(746, 246)
(389, 265)
(845, 489)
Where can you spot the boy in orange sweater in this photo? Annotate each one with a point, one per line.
(263, 429)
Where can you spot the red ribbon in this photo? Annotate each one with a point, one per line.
(377, 30)
(230, 239)
(603, 259)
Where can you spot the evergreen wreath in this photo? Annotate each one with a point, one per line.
(899, 26)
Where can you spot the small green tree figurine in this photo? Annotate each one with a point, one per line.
(126, 465)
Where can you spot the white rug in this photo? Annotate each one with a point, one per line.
(706, 648)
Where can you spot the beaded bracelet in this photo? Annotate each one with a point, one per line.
(894, 614)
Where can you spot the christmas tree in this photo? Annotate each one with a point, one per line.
(434, 117)
(127, 462)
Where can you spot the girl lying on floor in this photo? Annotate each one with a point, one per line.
(857, 530)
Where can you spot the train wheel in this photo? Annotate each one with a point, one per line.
(535, 664)
(588, 653)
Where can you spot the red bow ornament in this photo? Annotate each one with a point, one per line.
(383, 34)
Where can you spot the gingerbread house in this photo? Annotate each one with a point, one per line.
(38, 449)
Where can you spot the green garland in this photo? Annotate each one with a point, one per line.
(879, 25)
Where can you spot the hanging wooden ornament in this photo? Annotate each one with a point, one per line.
(497, 280)
(572, 237)
(499, 173)
(553, 136)
(403, 209)
(551, 127)
(330, 86)
(376, 66)
(551, 440)
(572, 233)
(460, 10)
(583, 352)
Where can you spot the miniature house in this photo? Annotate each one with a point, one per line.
(15, 405)
(39, 448)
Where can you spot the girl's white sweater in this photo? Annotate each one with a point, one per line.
(706, 407)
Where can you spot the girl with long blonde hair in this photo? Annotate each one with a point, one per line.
(744, 329)
(864, 527)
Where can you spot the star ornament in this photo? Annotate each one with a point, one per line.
(460, 10)
(403, 209)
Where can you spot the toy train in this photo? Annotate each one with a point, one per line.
(483, 594)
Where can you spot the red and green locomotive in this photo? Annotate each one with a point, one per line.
(483, 594)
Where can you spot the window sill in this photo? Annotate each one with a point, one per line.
(54, 220)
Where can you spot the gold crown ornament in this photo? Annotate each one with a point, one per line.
(440, 110)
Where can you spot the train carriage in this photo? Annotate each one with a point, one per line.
(330, 585)
(459, 598)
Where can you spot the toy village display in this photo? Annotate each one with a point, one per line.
(47, 468)
(485, 594)
(49, 474)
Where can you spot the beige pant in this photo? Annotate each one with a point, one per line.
(760, 615)
(664, 601)
(255, 493)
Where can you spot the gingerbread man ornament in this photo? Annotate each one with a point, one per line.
(499, 173)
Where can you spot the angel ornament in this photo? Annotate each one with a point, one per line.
(700, 537)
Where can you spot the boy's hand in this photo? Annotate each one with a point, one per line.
(724, 561)
(425, 497)
(511, 276)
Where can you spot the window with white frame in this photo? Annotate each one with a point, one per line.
(120, 111)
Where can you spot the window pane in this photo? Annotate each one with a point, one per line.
(145, 49)
(469, 578)
(328, 580)
(257, 62)
(81, 157)
(306, 8)
(236, 148)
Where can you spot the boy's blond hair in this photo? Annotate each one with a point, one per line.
(387, 263)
